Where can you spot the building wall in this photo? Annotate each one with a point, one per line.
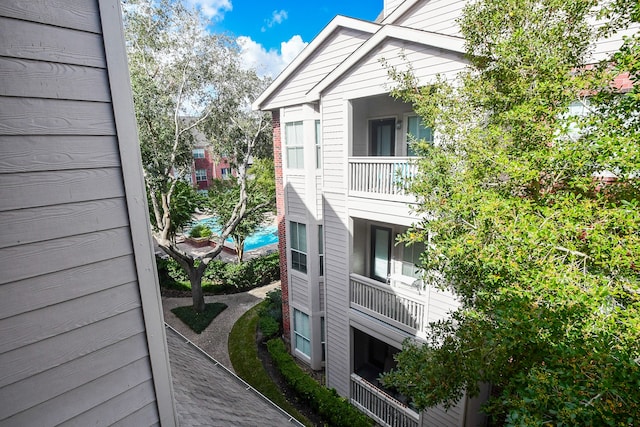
(438, 16)
(325, 59)
(81, 333)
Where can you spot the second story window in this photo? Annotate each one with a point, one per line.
(294, 145)
(226, 173)
(201, 175)
(198, 153)
(298, 236)
(416, 130)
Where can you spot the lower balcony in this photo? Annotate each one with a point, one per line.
(378, 405)
(399, 305)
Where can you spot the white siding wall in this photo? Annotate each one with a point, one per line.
(438, 16)
(370, 78)
(295, 191)
(325, 59)
(299, 289)
(73, 341)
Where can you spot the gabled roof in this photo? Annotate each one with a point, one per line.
(399, 11)
(426, 38)
(331, 28)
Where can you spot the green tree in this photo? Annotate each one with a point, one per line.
(541, 251)
(187, 81)
(261, 201)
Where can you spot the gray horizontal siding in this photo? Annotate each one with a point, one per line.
(76, 14)
(35, 153)
(29, 78)
(52, 222)
(20, 262)
(74, 347)
(35, 116)
(25, 394)
(31, 40)
(47, 322)
(86, 397)
(38, 357)
(28, 190)
(57, 287)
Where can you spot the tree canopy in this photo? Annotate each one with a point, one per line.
(532, 196)
(189, 83)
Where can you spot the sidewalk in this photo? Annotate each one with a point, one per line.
(214, 340)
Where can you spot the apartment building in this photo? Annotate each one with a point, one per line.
(341, 145)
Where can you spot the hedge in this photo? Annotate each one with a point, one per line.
(333, 409)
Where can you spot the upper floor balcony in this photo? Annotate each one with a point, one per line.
(382, 178)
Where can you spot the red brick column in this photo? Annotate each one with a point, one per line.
(282, 224)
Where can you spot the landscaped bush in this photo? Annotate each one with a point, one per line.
(200, 230)
(334, 410)
(270, 314)
(222, 277)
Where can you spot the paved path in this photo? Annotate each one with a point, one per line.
(215, 339)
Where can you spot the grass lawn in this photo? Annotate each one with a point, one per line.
(244, 358)
(198, 322)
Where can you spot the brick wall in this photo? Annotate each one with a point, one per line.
(282, 224)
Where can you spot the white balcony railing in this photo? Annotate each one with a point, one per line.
(378, 405)
(384, 177)
(400, 307)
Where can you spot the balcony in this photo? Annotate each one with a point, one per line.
(400, 306)
(383, 408)
(382, 178)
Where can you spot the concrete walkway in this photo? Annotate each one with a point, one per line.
(215, 339)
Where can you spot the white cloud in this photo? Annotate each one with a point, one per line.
(277, 16)
(212, 9)
(269, 62)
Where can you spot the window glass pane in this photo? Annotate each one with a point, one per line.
(416, 131)
(318, 143)
(293, 231)
(302, 238)
(302, 332)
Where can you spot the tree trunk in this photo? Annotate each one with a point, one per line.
(195, 279)
(239, 249)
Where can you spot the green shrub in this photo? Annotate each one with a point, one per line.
(270, 314)
(269, 326)
(170, 272)
(333, 409)
(200, 230)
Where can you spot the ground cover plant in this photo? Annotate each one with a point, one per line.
(243, 353)
(199, 320)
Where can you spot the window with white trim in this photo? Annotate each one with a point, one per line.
(416, 131)
(198, 153)
(294, 145)
(411, 259)
(201, 175)
(226, 173)
(302, 332)
(298, 238)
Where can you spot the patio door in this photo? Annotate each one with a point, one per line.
(382, 134)
(380, 263)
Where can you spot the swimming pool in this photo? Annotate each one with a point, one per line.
(264, 236)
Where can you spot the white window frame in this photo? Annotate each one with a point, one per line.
(225, 173)
(408, 260)
(302, 337)
(321, 249)
(294, 144)
(298, 247)
(198, 153)
(409, 134)
(199, 175)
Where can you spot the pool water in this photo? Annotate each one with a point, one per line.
(262, 237)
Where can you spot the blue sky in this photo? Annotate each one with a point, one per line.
(272, 32)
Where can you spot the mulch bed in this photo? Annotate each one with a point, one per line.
(289, 394)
